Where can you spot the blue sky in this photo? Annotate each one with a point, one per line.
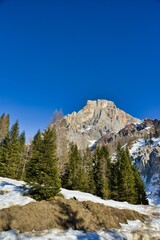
(59, 54)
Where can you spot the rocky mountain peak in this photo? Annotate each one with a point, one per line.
(95, 120)
(100, 103)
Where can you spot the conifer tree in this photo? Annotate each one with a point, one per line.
(46, 182)
(88, 163)
(123, 181)
(127, 182)
(77, 178)
(14, 151)
(141, 197)
(32, 167)
(102, 172)
(4, 144)
(21, 167)
(114, 181)
(4, 156)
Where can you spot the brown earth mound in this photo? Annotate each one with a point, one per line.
(63, 214)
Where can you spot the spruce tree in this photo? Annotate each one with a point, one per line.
(127, 182)
(102, 172)
(76, 177)
(4, 156)
(21, 164)
(32, 167)
(141, 197)
(46, 182)
(88, 163)
(116, 173)
(14, 151)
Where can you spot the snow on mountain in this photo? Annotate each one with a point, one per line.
(146, 156)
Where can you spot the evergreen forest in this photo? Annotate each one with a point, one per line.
(94, 172)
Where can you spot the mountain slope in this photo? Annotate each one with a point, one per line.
(144, 129)
(146, 156)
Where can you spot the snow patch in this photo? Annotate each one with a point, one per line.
(92, 142)
(82, 196)
(137, 145)
(11, 193)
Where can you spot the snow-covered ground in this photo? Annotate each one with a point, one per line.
(11, 193)
(82, 196)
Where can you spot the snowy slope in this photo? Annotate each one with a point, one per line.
(13, 195)
(146, 156)
(82, 196)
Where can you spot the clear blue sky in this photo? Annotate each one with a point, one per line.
(57, 54)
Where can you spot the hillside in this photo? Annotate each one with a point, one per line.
(83, 212)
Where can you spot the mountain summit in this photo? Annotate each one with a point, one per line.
(96, 119)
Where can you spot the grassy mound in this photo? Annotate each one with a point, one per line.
(63, 214)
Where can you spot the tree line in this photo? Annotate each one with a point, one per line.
(96, 173)
(103, 176)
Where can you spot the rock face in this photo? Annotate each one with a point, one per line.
(145, 129)
(146, 156)
(94, 121)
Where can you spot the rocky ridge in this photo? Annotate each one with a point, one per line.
(94, 121)
(145, 129)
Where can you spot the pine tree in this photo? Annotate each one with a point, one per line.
(127, 185)
(4, 144)
(116, 173)
(46, 182)
(141, 197)
(4, 156)
(76, 174)
(11, 151)
(88, 163)
(123, 181)
(102, 172)
(21, 164)
(14, 151)
(32, 167)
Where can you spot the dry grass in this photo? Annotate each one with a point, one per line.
(63, 214)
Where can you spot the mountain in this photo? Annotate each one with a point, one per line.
(95, 120)
(100, 122)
